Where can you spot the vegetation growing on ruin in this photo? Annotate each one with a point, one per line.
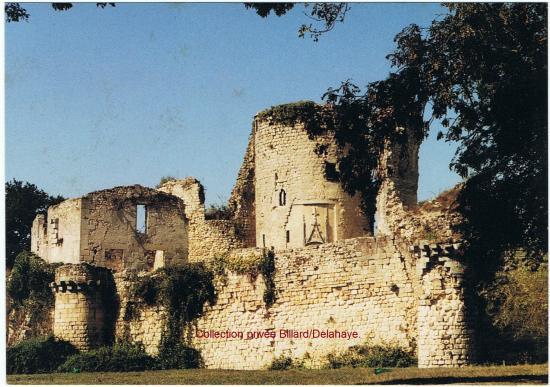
(165, 179)
(28, 286)
(252, 267)
(267, 269)
(315, 118)
(284, 362)
(183, 290)
(367, 355)
(248, 266)
(218, 212)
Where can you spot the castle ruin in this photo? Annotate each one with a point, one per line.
(397, 281)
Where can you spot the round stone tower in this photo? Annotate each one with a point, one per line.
(299, 200)
(78, 309)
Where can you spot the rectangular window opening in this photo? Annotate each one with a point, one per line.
(141, 218)
(287, 236)
(263, 239)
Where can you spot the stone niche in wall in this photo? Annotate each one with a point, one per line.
(311, 223)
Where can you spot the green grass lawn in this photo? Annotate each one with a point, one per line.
(531, 374)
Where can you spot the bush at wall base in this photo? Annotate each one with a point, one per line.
(371, 356)
(119, 358)
(38, 355)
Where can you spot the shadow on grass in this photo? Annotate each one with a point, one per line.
(542, 379)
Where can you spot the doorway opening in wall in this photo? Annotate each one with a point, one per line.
(141, 218)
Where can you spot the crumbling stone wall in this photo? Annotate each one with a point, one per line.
(110, 237)
(56, 237)
(101, 228)
(398, 171)
(296, 202)
(136, 323)
(242, 201)
(377, 287)
(207, 238)
(23, 324)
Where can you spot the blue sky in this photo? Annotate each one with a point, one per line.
(102, 97)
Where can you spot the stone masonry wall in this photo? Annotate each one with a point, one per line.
(207, 238)
(371, 286)
(143, 325)
(376, 290)
(361, 285)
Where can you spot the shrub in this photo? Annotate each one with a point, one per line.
(38, 355)
(165, 179)
(281, 363)
(175, 355)
(371, 356)
(218, 212)
(516, 316)
(119, 358)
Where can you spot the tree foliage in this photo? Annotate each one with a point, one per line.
(324, 16)
(482, 72)
(516, 310)
(23, 202)
(14, 12)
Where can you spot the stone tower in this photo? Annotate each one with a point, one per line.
(78, 308)
(298, 198)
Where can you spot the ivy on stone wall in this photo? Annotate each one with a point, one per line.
(317, 119)
(267, 268)
(182, 290)
(251, 267)
(28, 284)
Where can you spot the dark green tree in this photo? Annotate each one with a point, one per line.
(14, 12)
(483, 74)
(23, 202)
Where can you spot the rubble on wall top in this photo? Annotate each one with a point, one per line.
(185, 182)
(290, 111)
(130, 192)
